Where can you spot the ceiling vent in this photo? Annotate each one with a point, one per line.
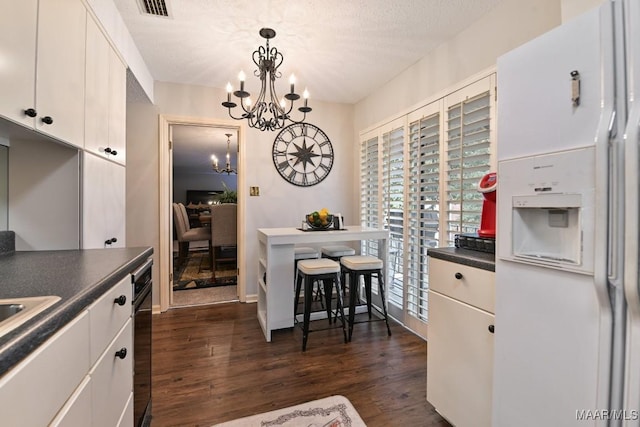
(154, 7)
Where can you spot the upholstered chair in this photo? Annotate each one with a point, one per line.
(186, 234)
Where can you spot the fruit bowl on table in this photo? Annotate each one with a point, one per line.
(319, 223)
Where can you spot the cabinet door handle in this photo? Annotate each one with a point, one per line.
(122, 353)
(491, 328)
(30, 112)
(47, 120)
(121, 300)
(114, 153)
(107, 150)
(458, 276)
(110, 241)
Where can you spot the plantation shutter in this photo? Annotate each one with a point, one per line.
(369, 201)
(468, 160)
(393, 209)
(418, 179)
(423, 208)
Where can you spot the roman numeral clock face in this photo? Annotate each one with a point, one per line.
(302, 154)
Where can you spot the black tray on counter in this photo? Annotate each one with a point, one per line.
(326, 229)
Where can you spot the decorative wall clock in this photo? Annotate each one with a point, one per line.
(302, 154)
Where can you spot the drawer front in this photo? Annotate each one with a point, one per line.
(463, 283)
(108, 316)
(77, 410)
(112, 380)
(32, 393)
(126, 420)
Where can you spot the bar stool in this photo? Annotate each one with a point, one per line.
(335, 252)
(365, 266)
(305, 252)
(327, 271)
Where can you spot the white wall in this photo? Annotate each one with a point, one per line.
(280, 204)
(44, 189)
(573, 8)
(507, 26)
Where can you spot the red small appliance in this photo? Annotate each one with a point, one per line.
(487, 186)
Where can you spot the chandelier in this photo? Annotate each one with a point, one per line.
(214, 160)
(268, 112)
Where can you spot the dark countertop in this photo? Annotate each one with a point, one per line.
(78, 277)
(483, 260)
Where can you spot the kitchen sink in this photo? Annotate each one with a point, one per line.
(16, 311)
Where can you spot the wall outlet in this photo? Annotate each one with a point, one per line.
(254, 191)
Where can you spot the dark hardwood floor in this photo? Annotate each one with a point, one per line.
(212, 364)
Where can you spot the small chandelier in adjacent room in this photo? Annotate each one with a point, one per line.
(214, 160)
(268, 112)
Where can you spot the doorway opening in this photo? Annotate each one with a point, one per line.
(201, 212)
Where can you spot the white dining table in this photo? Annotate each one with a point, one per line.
(276, 266)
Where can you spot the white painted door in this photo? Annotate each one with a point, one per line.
(459, 361)
(60, 69)
(103, 203)
(117, 108)
(18, 22)
(96, 123)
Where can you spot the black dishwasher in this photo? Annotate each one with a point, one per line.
(142, 296)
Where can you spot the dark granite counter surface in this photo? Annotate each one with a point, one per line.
(78, 277)
(483, 260)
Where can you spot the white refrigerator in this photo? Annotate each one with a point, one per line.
(567, 325)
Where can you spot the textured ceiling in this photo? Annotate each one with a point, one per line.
(341, 50)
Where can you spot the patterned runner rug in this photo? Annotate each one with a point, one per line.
(332, 411)
(196, 273)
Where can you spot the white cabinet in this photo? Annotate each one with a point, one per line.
(111, 355)
(18, 29)
(42, 83)
(103, 203)
(77, 410)
(105, 104)
(112, 380)
(62, 383)
(34, 391)
(460, 342)
(107, 315)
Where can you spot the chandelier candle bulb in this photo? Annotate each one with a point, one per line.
(292, 82)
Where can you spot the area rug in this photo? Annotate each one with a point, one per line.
(332, 411)
(196, 273)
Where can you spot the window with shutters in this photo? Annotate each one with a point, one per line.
(418, 179)
(423, 208)
(369, 201)
(393, 209)
(468, 160)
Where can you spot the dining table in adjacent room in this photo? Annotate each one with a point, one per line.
(276, 266)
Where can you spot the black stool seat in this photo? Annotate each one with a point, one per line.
(327, 271)
(366, 266)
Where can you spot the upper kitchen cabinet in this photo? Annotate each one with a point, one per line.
(43, 65)
(105, 94)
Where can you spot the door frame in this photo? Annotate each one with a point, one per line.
(165, 199)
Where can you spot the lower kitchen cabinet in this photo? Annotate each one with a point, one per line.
(35, 390)
(460, 342)
(60, 383)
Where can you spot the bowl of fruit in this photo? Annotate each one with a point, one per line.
(320, 220)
